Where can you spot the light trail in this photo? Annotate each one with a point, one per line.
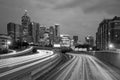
(86, 67)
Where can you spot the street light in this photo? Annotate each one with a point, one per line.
(90, 48)
(111, 46)
(88, 38)
(9, 42)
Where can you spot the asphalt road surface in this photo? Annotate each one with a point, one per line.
(83, 67)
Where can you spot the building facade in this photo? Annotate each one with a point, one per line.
(108, 34)
(33, 31)
(57, 34)
(51, 35)
(46, 38)
(41, 35)
(5, 42)
(14, 31)
(90, 40)
(65, 40)
(75, 38)
(25, 21)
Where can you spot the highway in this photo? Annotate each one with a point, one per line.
(83, 67)
(14, 61)
(28, 67)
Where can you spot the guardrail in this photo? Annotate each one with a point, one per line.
(14, 53)
(112, 57)
(32, 70)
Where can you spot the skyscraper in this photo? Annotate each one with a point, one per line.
(34, 31)
(41, 35)
(51, 35)
(57, 30)
(25, 20)
(15, 31)
(57, 33)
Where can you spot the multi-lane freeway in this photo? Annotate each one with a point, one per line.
(28, 67)
(47, 65)
(83, 67)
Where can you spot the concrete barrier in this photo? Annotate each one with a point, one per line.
(14, 53)
(111, 57)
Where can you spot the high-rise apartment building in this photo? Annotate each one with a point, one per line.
(108, 34)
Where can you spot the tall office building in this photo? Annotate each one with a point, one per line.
(15, 31)
(34, 32)
(41, 32)
(57, 33)
(25, 20)
(108, 34)
(57, 30)
(51, 35)
(41, 35)
(46, 37)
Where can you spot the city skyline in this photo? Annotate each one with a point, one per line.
(76, 17)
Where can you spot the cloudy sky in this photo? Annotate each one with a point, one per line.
(76, 17)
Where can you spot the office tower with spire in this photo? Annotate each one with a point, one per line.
(25, 20)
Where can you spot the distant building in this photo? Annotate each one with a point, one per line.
(34, 32)
(51, 35)
(90, 40)
(5, 42)
(46, 38)
(57, 33)
(14, 31)
(65, 40)
(108, 34)
(42, 31)
(57, 30)
(75, 38)
(25, 20)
